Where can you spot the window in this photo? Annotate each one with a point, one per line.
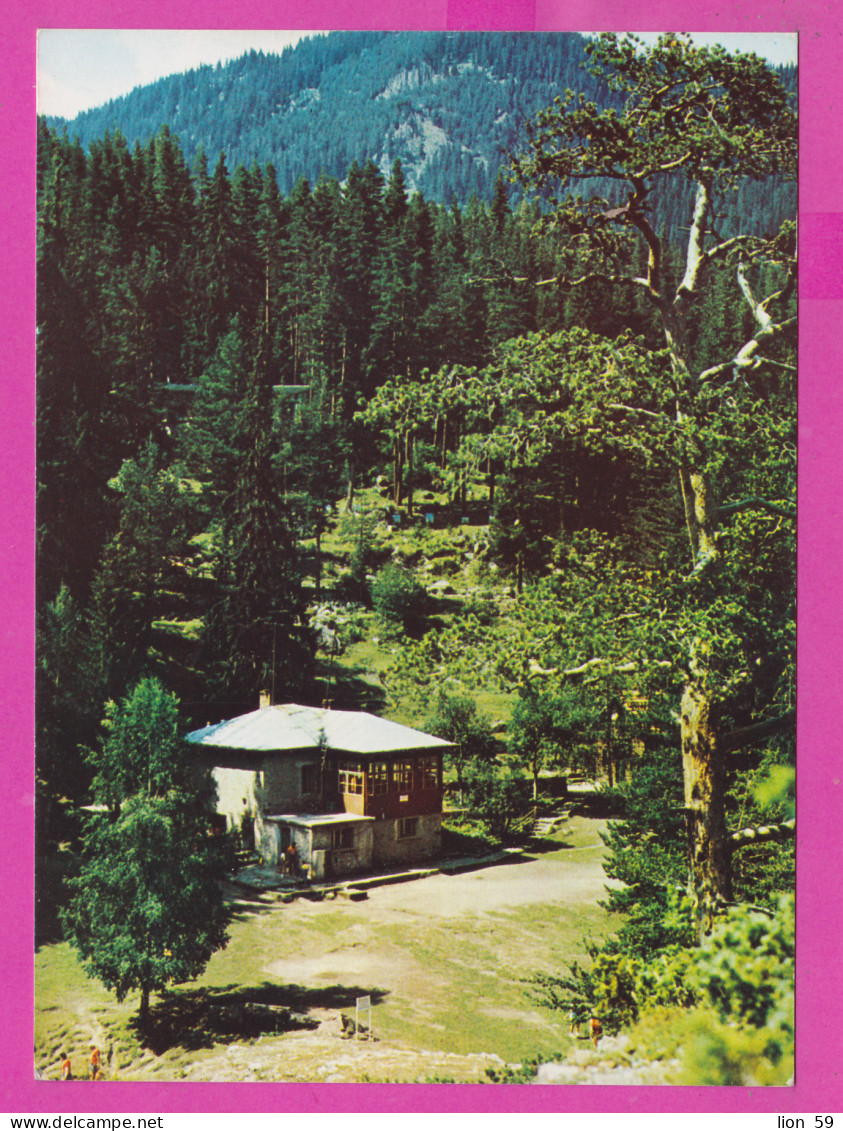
(377, 779)
(350, 777)
(407, 827)
(310, 779)
(428, 772)
(402, 773)
(342, 837)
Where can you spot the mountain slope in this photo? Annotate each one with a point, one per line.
(449, 105)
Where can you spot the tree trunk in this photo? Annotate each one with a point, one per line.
(705, 508)
(266, 297)
(703, 763)
(318, 577)
(349, 495)
(703, 751)
(143, 1012)
(408, 448)
(397, 469)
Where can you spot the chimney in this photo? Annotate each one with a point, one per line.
(264, 700)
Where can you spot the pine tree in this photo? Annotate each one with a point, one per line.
(255, 632)
(359, 241)
(146, 907)
(77, 433)
(128, 594)
(218, 277)
(68, 703)
(711, 120)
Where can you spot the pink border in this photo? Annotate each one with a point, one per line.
(819, 1028)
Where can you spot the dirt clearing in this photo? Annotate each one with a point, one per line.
(444, 959)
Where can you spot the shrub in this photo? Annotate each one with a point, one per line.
(399, 599)
(456, 718)
(484, 606)
(727, 1005)
(500, 804)
(745, 968)
(720, 1054)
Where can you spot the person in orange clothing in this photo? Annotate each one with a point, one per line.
(66, 1070)
(94, 1062)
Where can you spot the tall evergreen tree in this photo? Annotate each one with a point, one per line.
(359, 243)
(129, 592)
(68, 701)
(711, 120)
(146, 908)
(219, 277)
(255, 634)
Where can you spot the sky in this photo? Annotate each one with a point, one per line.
(81, 68)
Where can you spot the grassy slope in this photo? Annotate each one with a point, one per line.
(479, 1004)
(444, 961)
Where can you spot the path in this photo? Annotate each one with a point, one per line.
(445, 960)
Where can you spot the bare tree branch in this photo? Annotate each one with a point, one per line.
(637, 411)
(695, 260)
(561, 281)
(745, 736)
(745, 358)
(590, 666)
(654, 261)
(761, 833)
(728, 245)
(754, 503)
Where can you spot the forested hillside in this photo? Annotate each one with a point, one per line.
(449, 106)
(531, 447)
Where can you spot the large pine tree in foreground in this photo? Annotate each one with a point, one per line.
(146, 909)
(722, 424)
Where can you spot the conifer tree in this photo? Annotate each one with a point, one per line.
(708, 119)
(129, 590)
(359, 240)
(255, 633)
(146, 908)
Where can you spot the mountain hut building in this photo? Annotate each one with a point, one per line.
(350, 790)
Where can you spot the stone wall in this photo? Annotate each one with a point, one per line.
(332, 863)
(280, 786)
(274, 787)
(391, 848)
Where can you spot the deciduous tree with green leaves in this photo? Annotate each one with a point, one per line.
(546, 727)
(455, 717)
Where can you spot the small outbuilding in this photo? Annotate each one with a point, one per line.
(348, 789)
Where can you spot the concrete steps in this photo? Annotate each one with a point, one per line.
(544, 826)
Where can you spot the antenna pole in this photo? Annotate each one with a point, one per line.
(272, 681)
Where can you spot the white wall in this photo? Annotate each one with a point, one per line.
(237, 793)
(273, 788)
